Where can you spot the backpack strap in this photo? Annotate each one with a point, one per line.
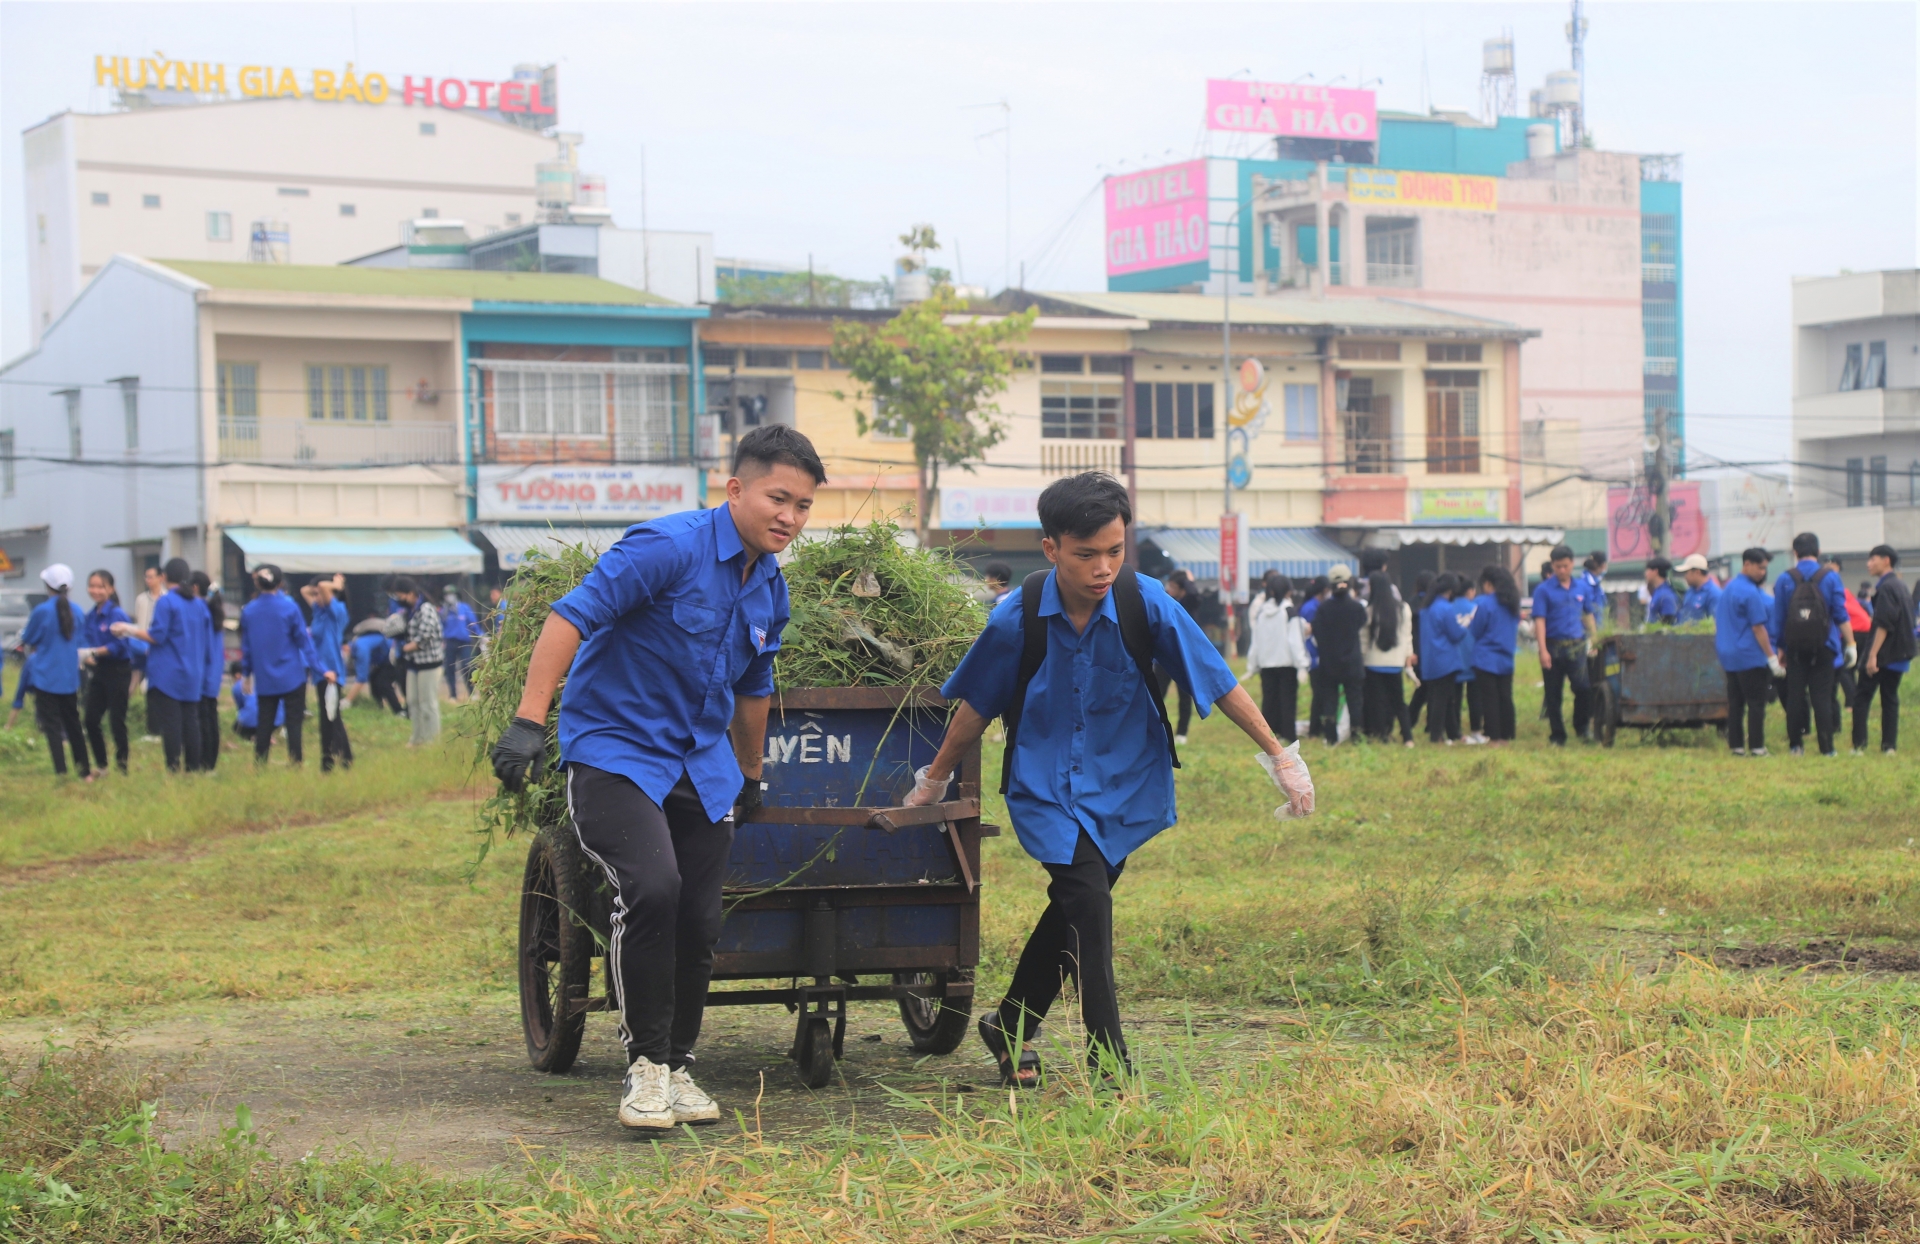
(1033, 652)
(1136, 632)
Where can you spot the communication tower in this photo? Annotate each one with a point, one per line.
(1577, 42)
(1499, 86)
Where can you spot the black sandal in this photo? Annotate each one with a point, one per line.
(1025, 1075)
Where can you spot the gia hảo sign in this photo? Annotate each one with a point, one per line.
(1456, 190)
(163, 73)
(1157, 218)
(579, 493)
(1291, 110)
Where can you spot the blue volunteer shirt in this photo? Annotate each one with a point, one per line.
(366, 650)
(214, 653)
(1596, 598)
(458, 625)
(329, 631)
(1465, 610)
(1700, 603)
(54, 663)
(1741, 607)
(669, 637)
(1441, 630)
(1496, 633)
(99, 624)
(1832, 591)
(177, 657)
(1090, 754)
(1308, 612)
(1663, 606)
(275, 647)
(1559, 609)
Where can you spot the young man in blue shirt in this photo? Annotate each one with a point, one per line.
(1742, 614)
(1889, 654)
(1811, 663)
(1089, 774)
(667, 647)
(1563, 621)
(276, 653)
(1663, 606)
(1703, 593)
(459, 630)
(176, 665)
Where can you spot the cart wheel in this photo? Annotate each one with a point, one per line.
(1606, 712)
(556, 953)
(935, 1025)
(816, 1054)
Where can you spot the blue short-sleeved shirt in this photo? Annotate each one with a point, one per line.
(366, 650)
(1441, 630)
(1596, 597)
(1741, 607)
(275, 647)
(177, 659)
(1699, 602)
(54, 664)
(1496, 633)
(1831, 590)
(1560, 608)
(1308, 612)
(99, 624)
(669, 636)
(329, 632)
(214, 654)
(458, 625)
(1662, 605)
(1466, 609)
(1090, 754)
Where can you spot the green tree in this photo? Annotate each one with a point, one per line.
(933, 381)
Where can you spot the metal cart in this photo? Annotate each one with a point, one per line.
(832, 882)
(1656, 679)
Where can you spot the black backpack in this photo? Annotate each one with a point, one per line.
(1135, 632)
(1807, 627)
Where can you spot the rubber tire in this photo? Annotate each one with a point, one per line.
(555, 954)
(1606, 713)
(934, 1025)
(816, 1054)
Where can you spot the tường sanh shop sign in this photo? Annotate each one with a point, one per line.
(1291, 110)
(574, 494)
(1461, 191)
(1157, 218)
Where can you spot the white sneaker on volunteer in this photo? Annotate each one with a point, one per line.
(646, 1099)
(690, 1103)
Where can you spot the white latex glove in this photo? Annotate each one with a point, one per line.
(1851, 655)
(1776, 667)
(926, 790)
(1289, 773)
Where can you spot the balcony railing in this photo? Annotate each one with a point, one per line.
(298, 441)
(1654, 365)
(1059, 457)
(1398, 275)
(1658, 273)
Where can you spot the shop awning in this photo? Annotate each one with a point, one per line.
(359, 550)
(1463, 535)
(514, 544)
(1297, 552)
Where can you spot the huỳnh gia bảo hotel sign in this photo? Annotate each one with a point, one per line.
(162, 73)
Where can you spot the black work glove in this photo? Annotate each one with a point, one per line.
(752, 796)
(521, 754)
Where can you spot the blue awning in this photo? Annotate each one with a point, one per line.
(358, 550)
(1297, 552)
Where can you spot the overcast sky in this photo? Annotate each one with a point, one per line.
(814, 129)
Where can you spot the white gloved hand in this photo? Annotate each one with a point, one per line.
(1289, 773)
(1776, 667)
(926, 790)
(1852, 655)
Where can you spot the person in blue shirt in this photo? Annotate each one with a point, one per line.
(1742, 614)
(176, 665)
(246, 712)
(109, 659)
(1089, 769)
(1495, 634)
(52, 642)
(459, 632)
(1564, 619)
(1703, 591)
(328, 628)
(1422, 597)
(1663, 605)
(1441, 630)
(215, 668)
(1465, 604)
(667, 647)
(1890, 651)
(1810, 662)
(276, 652)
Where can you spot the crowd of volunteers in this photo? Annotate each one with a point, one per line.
(83, 664)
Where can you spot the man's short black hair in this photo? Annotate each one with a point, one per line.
(1660, 566)
(1560, 553)
(403, 585)
(1081, 505)
(1372, 560)
(1806, 544)
(1886, 551)
(177, 570)
(1756, 555)
(1597, 559)
(997, 570)
(775, 444)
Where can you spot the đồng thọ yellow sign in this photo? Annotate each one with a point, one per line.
(1461, 191)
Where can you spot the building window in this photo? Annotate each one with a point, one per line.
(782, 359)
(1659, 249)
(1370, 351)
(239, 392)
(6, 463)
(1877, 480)
(339, 392)
(1173, 411)
(1856, 482)
(429, 213)
(1875, 375)
(1080, 410)
(557, 403)
(149, 200)
(1850, 374)
(1453, 422)
(100, 198)
(719, 356)
(893, 431)
(1107, 365)
(429, 129)
(1451, 353)
(40, 222)
(219, 226)
(130, 408)
(72, 399)
(1366, 425)
(810, 360)
(1393, 255)
(1303, 412)
(1063, 364)
(295, 192)
(1660, 325)
(348, 209)
(513, 218)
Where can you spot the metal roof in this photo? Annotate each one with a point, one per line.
(515, 544)
(510, 287)
(359, 550)
(1297, 552)
(1300, 314)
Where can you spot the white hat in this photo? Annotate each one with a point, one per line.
(1694, 562)
(58, 576)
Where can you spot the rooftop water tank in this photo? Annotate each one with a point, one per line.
(1496, 56)
(1540, 142)
(1563, 87)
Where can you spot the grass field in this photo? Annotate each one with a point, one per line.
(1473, 999)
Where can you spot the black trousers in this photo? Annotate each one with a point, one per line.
(59, 716)
(107, 697)
(1072, 941)
(177, 722)
(666, 863)
(1569, 669)
(1810, 686)
(1476, 712)
(209, 733)
(296, 702)
(1385, 696)
(1417, 703)
(1886, 684)
(335, 747)
(1280, 701)
(1328, 684)
(1495, 692)
(385, 679)
(1747, 708)
(1443, 707)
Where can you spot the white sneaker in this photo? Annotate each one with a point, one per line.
(646, 1100)
(1474, 740)
(690, 1104)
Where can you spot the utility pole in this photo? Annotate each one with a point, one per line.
(1659, 458)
